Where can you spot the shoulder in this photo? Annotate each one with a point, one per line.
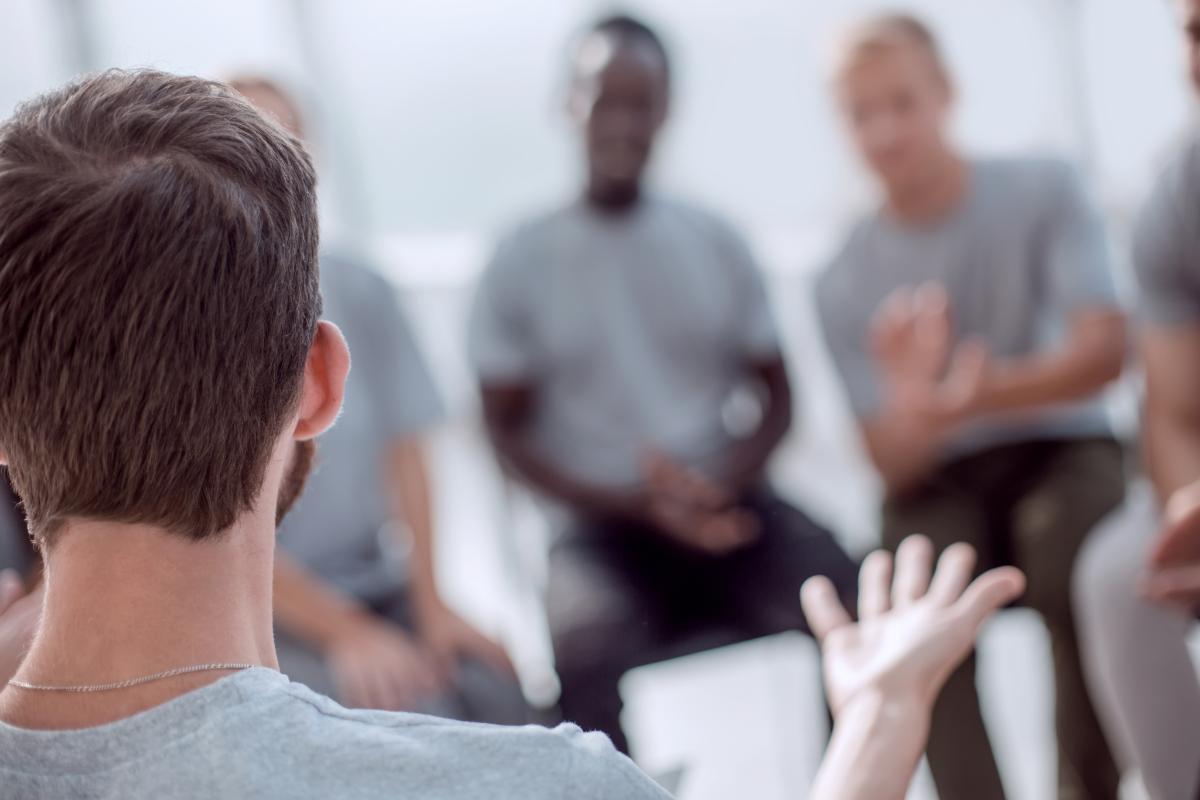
(349, 276)
(523, 249)
(841, 269)
(527, 761)
(701, 219)
(1178, 180)
(1031, 176)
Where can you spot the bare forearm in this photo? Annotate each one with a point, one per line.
(306, 607)
(903, 448)
(876, 745)
(411, 503)
(748, 459)
(1091, 358)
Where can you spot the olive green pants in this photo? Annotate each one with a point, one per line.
(1031, 505)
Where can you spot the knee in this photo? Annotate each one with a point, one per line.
(1106, 573)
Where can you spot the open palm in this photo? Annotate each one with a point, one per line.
(912, 631)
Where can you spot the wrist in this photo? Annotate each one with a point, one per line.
(348, 622)
(881, 708)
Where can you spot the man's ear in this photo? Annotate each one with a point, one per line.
(324, 382)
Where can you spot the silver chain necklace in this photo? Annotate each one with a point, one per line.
(125, 684)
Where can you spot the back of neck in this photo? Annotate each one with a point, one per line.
(126, 601)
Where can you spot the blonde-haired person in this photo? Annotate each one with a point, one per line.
(1138, 582)
(974, 323)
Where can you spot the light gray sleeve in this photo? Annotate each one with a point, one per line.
(409, 401)
(758, 336)
(846, 341)
(596, 771)
(1077, 253)
(499, 341)
(1166, 242)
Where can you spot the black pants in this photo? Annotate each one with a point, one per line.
(621, 596)
(1030, 504)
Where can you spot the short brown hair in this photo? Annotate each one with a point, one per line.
(158, 297)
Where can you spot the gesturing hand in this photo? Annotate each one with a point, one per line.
(375, 664)
(912, 632)
(693, 509)
(1174, 578)
(921, 368)
(449, 637)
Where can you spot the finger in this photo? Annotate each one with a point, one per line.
(988, 593)
(350, 687)
(914, 563)
(874, 582)
(1178, 586)
(891, 316)
(12, 588)
(1180, 537)
(379, 688)
(953, 573)
(822, 608)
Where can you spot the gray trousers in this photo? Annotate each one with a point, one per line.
(479, 694)
(1137, 663)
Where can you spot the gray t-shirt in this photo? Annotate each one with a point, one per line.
(257, 735)
(1166, 242)
(1022, 253)
(636, 330)
(336, 528)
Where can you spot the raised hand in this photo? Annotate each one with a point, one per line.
(1174, 577)
(922, 370)
(912, 631)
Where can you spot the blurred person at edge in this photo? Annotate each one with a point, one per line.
(973, 320)
(356, 618)
(1137, 585)
(608, 337)
(20, 578)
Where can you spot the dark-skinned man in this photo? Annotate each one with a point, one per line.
(608, 337)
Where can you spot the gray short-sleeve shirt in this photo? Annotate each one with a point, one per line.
(635, 328)
(256, 734)
(1166, 242)
(1022, 253)
(336, 528)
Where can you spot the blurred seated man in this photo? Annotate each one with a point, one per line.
(1138, 580)
(354, 621)
(974, 323)
(157, 438)
(609, 337)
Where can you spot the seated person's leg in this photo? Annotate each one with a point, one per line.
(478, 691)
(959, 750)
(1140, 672)
(1080, 483)
(762, 581)
(607, 615)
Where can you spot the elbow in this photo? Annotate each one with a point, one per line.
(1108, 348)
